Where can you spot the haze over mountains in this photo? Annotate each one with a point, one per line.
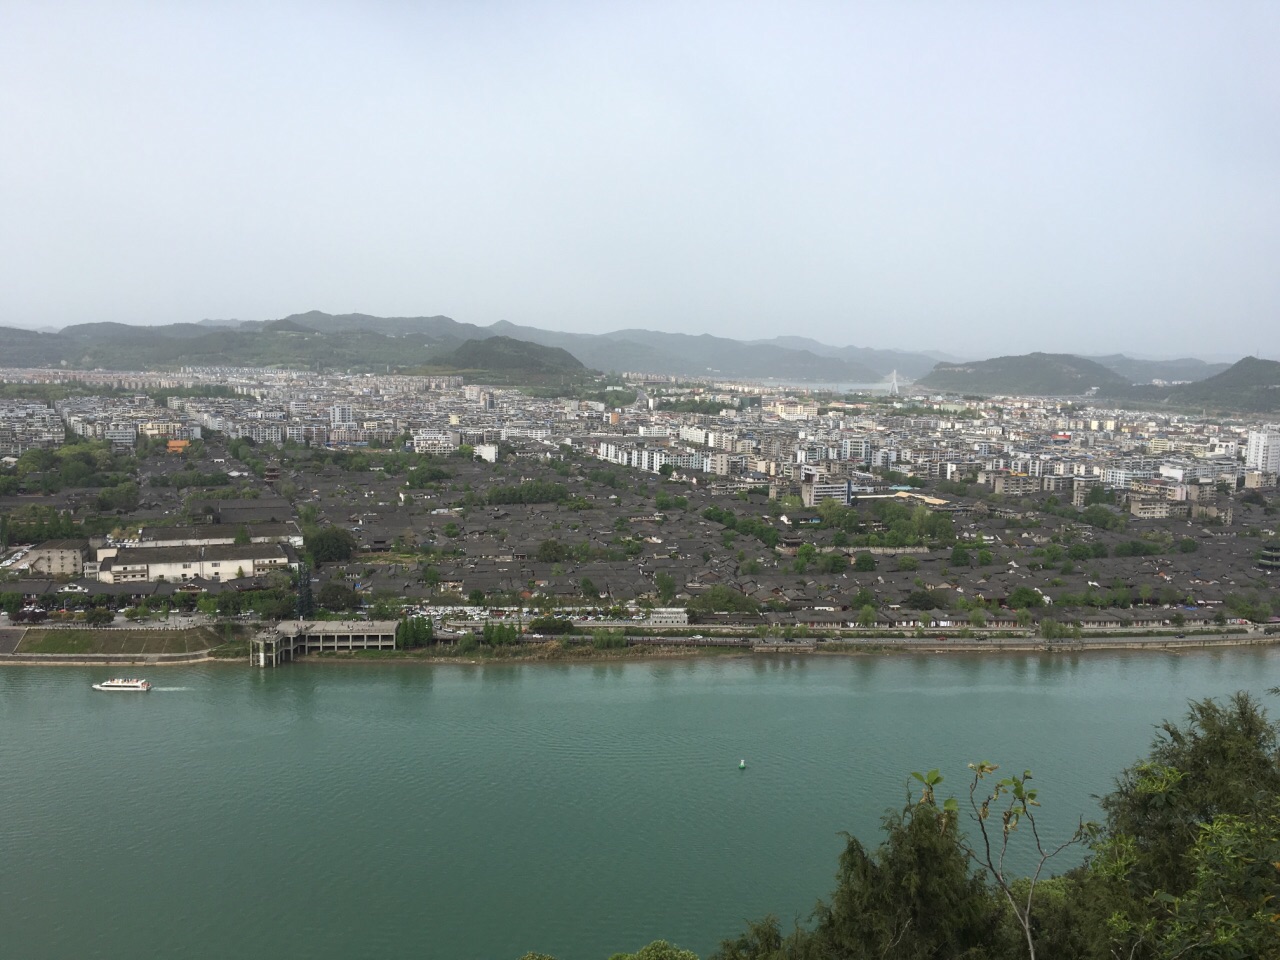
(357, 341)
(317, 340)
(1249, 385)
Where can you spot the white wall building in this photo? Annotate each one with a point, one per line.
(1262, 451)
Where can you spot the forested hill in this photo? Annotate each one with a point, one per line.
(283, 343)
(509, 354)
(361, 341)
(1032, 374)
(1250, 385)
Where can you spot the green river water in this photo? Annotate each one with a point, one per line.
(353, 811)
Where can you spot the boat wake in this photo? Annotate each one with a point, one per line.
(170, 689)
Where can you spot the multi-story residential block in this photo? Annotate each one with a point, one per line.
(58, 558)
(1262, 450)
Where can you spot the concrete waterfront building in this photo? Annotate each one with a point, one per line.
(295, 638)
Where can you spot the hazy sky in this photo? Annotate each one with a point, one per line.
(975, 177)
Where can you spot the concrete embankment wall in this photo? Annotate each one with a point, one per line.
(102, 659)
(1057, 646)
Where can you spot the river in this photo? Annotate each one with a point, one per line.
(340, 811)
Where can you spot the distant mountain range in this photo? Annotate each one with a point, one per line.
(359, 341)
(1250, 385)
(317, 340)
(649, 351)
(1170, 371)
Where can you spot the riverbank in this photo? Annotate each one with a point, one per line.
(61, 647)
(555, 653)
(73, 646)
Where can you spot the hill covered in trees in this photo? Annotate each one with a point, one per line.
(360, 341)
(289, 342)
(1250, 385)
(1186, 864)
(507, 355)
(1032, 374)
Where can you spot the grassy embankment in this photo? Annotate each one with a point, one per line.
(89, 641)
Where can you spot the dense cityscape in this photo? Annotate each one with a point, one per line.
(642, 508)
(656, 481)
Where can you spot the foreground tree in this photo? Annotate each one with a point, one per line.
(1186, 866)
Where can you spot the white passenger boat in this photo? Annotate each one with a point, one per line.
(141, 686)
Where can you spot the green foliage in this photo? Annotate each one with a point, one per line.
(78, 463)
(426, 475)
(664, 501)
(336, 596)
(925, 600)
(1099, 494)
(414, 632)
(1099, 516)
(833, 563)
(99, 616)
(912, 896)
(180, 479)
(907, 563)
(122, 498)
(330, 544)
(1136, 548)
(749, 526)
(864, 563)
(805, 555)
(1224, 760)
(1087, 551)
(708, 408)
(1187, 545)
(500, 634)
(658, 950)
(722, 599)
(1024, 598)
(1187, 865)
(530, 491)
(553, 551)
(608, 639)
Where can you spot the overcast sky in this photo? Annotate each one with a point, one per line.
(980, 178)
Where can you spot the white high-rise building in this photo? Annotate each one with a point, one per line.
(341, 415)
(1263, 450)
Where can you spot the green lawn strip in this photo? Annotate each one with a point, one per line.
(59, 641)
(141, 642)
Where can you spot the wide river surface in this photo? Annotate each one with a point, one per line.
(343, 811)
